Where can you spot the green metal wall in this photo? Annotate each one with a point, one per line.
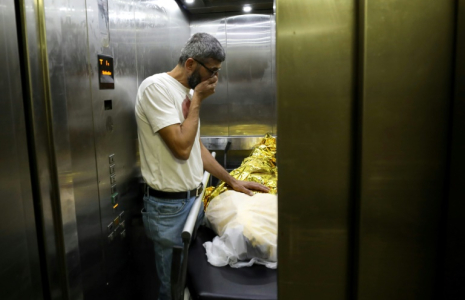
(365, 95)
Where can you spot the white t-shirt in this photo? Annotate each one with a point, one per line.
(160, 102)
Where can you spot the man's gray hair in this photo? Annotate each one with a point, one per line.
(202, 46)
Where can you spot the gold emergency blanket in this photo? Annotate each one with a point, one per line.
(259, 166)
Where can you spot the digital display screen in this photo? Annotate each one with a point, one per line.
(106, 75)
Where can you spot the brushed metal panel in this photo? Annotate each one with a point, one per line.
(42, 159)
(71, 120)
(315, 44)
(246, 107)
(452, 287)
(115, 133)
(214, 114)
(152, 34)
(74, 142)
(406, 97)
(273, 73)
(142, 36)
(179, 30)
(19, 257)
(249, 71)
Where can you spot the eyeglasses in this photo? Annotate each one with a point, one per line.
(214, 72)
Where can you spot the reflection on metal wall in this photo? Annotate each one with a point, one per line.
(315, 75)
(179, 31)
(152, 33)
(162, 29)
(44, 174)
(19, 257)
(249, 75)
(74, 141)
(244, 103)
(214, 114)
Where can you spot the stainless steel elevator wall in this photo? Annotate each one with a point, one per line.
(162, 30)
(142, 37)
(73, 140)
(19, 257)
(245, 100)
(44, 169)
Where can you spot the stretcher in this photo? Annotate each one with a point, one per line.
(205, 282)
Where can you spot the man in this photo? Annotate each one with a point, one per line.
(171, 153)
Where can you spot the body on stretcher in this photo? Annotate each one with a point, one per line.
(206, 282)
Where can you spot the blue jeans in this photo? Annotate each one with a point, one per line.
(164, 221)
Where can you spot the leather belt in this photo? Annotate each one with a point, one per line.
(175, 195)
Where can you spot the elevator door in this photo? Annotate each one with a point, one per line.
(19, 255)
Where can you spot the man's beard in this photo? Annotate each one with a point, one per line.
(194, 79)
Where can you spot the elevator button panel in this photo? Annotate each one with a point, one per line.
(114, 198)
(113, 191)
(116, 221)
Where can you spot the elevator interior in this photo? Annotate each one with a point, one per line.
(369, 98)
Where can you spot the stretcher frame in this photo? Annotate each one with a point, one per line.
(180, 254)
(260, 282)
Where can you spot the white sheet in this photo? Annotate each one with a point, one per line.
(247, 228)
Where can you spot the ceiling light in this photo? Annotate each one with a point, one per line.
(247, 8)
(189, 1)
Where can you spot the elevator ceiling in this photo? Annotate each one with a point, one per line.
(221, 6)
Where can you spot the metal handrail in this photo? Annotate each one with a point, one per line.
(178, 268)
(192, 218)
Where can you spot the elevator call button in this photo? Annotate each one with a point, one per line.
(114, 199)
(113, 179)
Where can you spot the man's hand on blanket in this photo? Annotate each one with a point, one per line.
(246, 187)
